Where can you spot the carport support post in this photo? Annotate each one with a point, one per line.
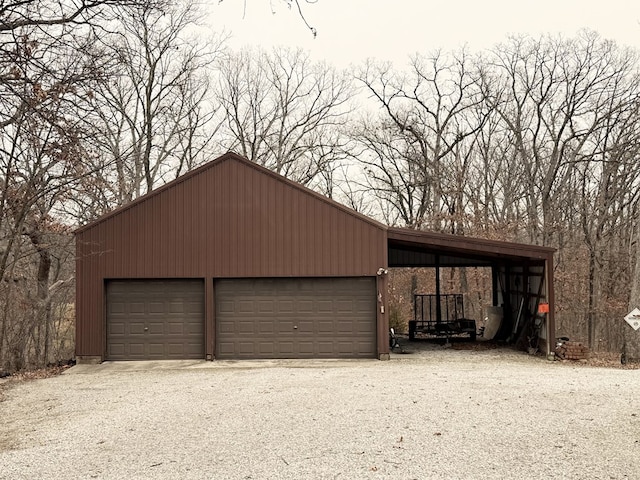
(551, 300)
(438, 306)
(494, 285)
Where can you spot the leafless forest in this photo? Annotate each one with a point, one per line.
(535, 140)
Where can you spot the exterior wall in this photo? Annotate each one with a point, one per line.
(228, 219)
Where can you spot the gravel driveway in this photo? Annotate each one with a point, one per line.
(448, 414)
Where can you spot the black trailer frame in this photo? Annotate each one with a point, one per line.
(440, 316)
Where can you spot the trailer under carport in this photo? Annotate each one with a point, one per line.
(522, 275)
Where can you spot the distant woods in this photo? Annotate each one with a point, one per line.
(535, 140)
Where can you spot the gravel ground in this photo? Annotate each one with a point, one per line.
(440, 414)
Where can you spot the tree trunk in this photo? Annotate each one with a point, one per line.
(4, 342)
(43, 309)
(591, 314)
(631, 337)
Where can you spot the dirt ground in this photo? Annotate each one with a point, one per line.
(419, 348)
(428, 346)
(438, 412)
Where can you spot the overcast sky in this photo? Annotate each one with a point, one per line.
(350, 31)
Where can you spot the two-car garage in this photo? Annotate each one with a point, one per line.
(230, 261)
(255, 318)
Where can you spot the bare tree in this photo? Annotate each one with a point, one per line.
(553, 97)
(429, 114)
(609, 189)
(34, 30)
(153, 116)
(284, 112)
(44, 70)
(570, 106)
(298, 5)
(549, 157)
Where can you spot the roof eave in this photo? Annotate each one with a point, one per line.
(469, 244)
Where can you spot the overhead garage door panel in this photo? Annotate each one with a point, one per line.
(296, 318)
(155, 319)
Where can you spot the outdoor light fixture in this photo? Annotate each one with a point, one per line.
(382, 271)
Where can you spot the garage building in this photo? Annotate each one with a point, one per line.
(233, 261)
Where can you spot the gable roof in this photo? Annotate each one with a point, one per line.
(229, 156)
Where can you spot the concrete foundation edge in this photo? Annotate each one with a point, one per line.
(88, 360)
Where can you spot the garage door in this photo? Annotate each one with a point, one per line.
(296, 318)
(155, 319)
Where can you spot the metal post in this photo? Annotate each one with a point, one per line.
(494, 284)
(438, 306)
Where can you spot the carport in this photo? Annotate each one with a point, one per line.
(522, 275)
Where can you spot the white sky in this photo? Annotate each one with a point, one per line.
(349, 31)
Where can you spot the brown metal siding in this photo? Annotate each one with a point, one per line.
(242, 233)
(90, 338)
(296, 318)
(229, 219)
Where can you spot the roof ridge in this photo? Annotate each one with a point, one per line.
(214, 163)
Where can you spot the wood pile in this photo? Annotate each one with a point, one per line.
(572, 351)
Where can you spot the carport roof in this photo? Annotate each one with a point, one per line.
(416, 248)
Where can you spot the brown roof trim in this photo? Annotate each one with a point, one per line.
(468, 244)
(213, 163)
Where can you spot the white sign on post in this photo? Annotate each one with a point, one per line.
(633, 318)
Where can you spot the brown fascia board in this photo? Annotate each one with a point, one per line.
(213, 163)
(448, 242)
